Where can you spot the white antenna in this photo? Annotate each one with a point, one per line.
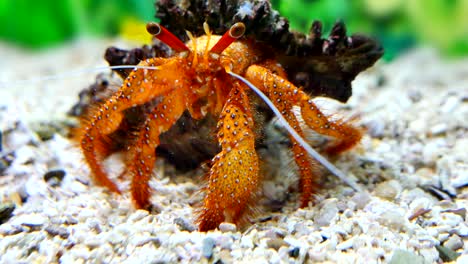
(74, 74)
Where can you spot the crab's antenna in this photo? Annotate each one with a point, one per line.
(314, 154)
(74, 74)
(206, 28)
(194, 43)
(235, 32)
(165, 36)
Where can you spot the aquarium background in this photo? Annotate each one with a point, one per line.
(398, 24)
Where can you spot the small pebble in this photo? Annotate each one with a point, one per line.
(30, 220)
(438, 129)
(446, 254)
(184, 224)
(224, 257)
(227, 227)
(450, 104)
(138, 215)
(294, 253)
(327, 213)
(77, 187)
(414, 95)
(403, 256)
(54, 177)
(276, 243)
(454, 243)
(345, 244)
(393, 219)
(6, 212)
(420, 203)
(361, 199)
(425, 176)
(432, 151)
(57, 231)
(92, 242)
(142, 239)
(459, 211)
(376, 128)
(418, 126)
(388, 190)
(5, 162)
(207, 247)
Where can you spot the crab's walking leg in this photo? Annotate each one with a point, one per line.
(141, 86)
(142, 152)
(233, 178)
(346, 135)
(277, 93)
(308, 168)
(282, 93)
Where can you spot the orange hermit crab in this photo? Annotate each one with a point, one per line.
(210, 75)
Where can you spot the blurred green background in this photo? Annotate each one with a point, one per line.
(398, 24)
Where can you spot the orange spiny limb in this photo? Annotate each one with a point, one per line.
(235, 32)
(165, 36)
(107, 118)
(347, 135)
(258, 74)
(234, 174)
(142, 156)
(93, 150)
(309, 171)
(307, 168)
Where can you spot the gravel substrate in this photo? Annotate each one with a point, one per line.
(412, 166)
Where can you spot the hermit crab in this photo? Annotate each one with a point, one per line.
(210, 75)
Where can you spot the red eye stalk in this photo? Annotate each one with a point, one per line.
(165, 36)
(235, 32)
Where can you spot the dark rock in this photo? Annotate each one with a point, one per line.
(54, 177)
(6, 212)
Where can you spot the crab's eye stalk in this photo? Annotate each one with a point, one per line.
(165, 36)
(235, 32)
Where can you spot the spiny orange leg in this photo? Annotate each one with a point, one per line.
(276, 92)
(140, 87)
(142, 152)
(281, 92)
(234, 174)
(308, 168)
(346, 135)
